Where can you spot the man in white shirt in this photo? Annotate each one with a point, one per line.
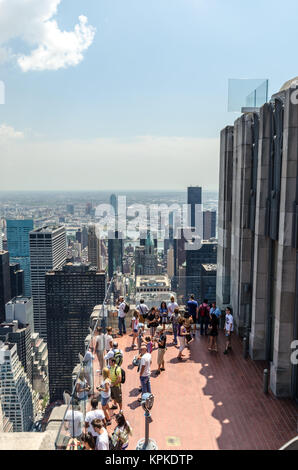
(74, 421)
(143, 309)
(102, 440)
(229, 328)
(171, 307)
(100, 347)
(145, 371)
(88, 366)
(121, 316)
(95, 413)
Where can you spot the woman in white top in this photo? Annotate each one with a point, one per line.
(108, 339)
(105, 393)
(182, 336)
(82, 389)
(134, 326)
(102, 441)
(121, 434)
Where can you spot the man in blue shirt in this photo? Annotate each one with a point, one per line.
(215, 310)
(193, 310)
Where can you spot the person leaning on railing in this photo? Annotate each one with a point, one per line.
(100, 348)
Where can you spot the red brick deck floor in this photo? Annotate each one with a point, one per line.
(208, 401)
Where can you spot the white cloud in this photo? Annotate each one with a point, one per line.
(51, 48)
(8, 132)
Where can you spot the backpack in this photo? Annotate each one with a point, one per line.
(203, 311)
(144, 315)
(123, 375)
(126, 308)
(119, 358)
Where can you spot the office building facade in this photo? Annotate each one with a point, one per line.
(209, 224)
(195, 258)
(47, 252)
(5, 289)
(18, 244)
(71, 294)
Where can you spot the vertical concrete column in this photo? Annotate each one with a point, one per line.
(260, 294)
(224, 217)
(284, 301)
(241, 244)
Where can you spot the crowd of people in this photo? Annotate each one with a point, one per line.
(150, 329)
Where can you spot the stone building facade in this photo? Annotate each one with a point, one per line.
(258, 232)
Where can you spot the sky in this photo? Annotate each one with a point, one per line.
(130, 94)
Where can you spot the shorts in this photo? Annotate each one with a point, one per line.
(104, 401)
(164, 320)
(160, 355)
(116, 394)
(135, 330)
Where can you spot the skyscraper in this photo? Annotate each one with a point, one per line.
(71, 294)
(19, 248)
(209, 223)
(94, 247)
(5, 289)
(47, 252)
(115, 253)
(19, 334)
(16, 280)
(16, 393)
(194, 198)
(206, 254)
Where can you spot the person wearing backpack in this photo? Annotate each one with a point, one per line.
(143, 310)
(118, 354)
(116, 380)
(204, 315)
(123, 308)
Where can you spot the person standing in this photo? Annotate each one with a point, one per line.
(94, 413)
(102, 440)
(74, 421)
(171, 307)
(88, 367)
(121, 316)
(163, 310)
(99, 348)
(162, 346)
(153, 321)
(213, 332)
(143, 309)
(121, 434)
(229, 328)
(204, 310)
(215, 310)
(175, 322)
(193, 310)
(145, 370)
(116, 390)
(134, 326)
(82, 389)
(108, 339)
(105, 393)
(182, 337)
